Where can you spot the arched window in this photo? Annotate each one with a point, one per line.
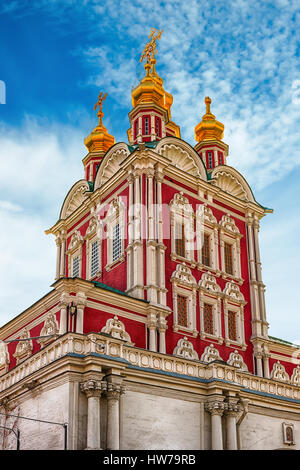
(115, 222)
(74, 254)
(210, 308)
(207, 238)
(93, 237)
(184, 300)
(182, 229)
(230, 248)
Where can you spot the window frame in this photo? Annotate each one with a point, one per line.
(233, 301)
(206, 224)
(181, 212)
(210, 293)
(115, 216)
(75, 250)
(230, 234)
(184, 284)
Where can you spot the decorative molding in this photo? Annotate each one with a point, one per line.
(24, 348)
(185, 349)
(116, 329)
(211, 354)
(232, 291)
(228, 224)
(50, 328)
(76, 196)
(4, 358)
(75, 242)
(208, 283)
(236, 360)
(295, 379)
(183, 275)
(279, 372)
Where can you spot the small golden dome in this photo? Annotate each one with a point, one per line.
(99, 139)
(209, 128)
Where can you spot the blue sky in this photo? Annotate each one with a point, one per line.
(55, 58)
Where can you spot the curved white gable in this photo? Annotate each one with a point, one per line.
(232, 182)
(182, 156)
(75, 197)
(110, 164)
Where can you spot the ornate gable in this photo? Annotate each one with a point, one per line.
(183, 275)
(210, 354)
(76, 196)
(185, 349)
(209, 284)
(110, 164)
(236, 360)
(279, 372)
(116, 329)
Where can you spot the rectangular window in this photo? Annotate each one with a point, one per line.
(232, 333)
(205, 250)
(179, 239)
(136, 124)
(208, 319)
(146, 125)
(210, 160)
(220, 157)
(182, 310)
(75, 267)
(116, 243)
(228, 258)
(94, 258)
(157, 127)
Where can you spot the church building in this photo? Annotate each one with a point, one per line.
(154, 334)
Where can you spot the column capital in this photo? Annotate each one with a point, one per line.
(93, 388)
(114, 391)
(216, 407)
(232, 409)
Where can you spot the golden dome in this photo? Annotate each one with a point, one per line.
(150, 90)
(209, 128)
(99, 139)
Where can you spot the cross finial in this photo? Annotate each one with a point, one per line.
(208, 103)
(99, 104)
(150, 48)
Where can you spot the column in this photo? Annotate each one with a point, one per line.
(63, 315)
(93, 390)
(113, 419)
(58, 248)
(231, 412)
(62, 255)
(266, 365)
(216, 409)
(259, 369)
(162, 327)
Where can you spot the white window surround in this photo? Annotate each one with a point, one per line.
(181, 212)
(184, 284)
(115, 216)
(93, 234)
(206, 224)
(229, 233)
(210, 293)
(234, 301)
(75, 250)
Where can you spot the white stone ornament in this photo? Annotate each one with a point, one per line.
(232, 290)
(50, 328)
(24, 348)
(183, 275)
(4, 356)
(236, 360)
(296, 376)
(116, 329)
(209, 283)
(185, 349)
(279, 372)
(228, 224)
(211, 354)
